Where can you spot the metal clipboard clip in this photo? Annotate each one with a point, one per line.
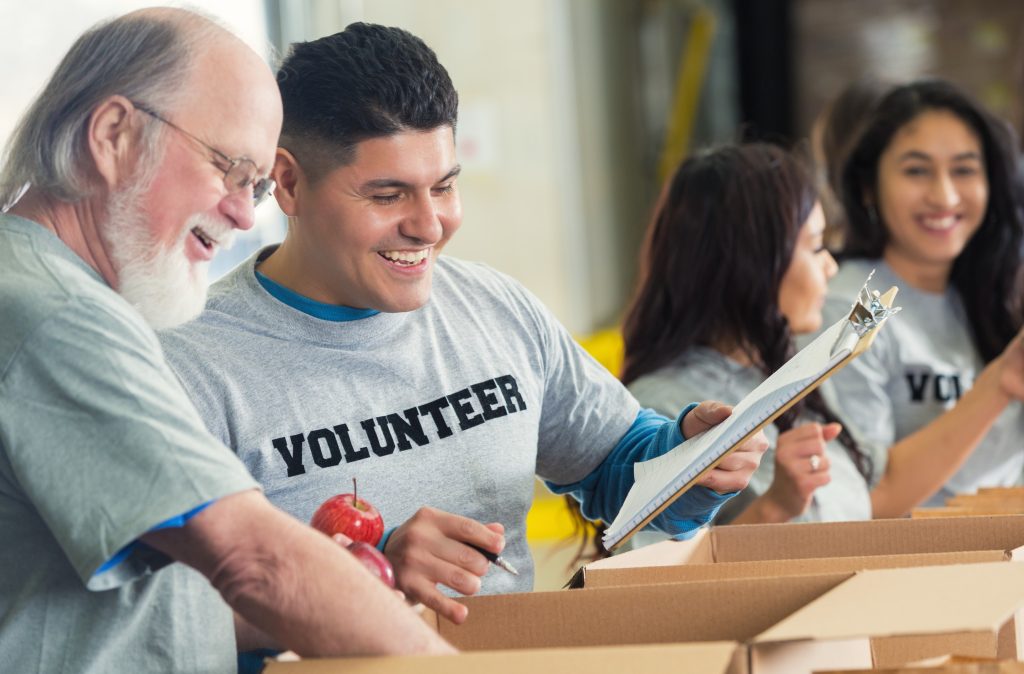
(869, 310)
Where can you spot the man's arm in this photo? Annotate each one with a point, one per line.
(293, 583)
(602, 493)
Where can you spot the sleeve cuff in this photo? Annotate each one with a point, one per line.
(384, 539)
(678, 431)
(176, 521)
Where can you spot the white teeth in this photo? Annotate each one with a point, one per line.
(939, 224)
(406, 257)
(204, 237)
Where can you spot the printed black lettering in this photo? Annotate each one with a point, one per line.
(463, 410)
(957, 391)
(917, 386)
(943, 393)
(346, 442)
(510, 391)
(292, 458)
(316, 439)
(434, 410)
(406, 428)
(492, 409)
(378, 446)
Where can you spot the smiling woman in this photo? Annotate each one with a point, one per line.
(932, 195)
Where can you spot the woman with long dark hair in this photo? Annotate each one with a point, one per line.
(733, 268)
(734, 264)
(933, 204)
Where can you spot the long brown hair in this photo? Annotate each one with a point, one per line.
(712, 264)
(988, 272)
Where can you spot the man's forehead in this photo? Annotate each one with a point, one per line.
(232, 102)
(407, 156)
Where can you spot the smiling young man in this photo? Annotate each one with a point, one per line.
(442, 385)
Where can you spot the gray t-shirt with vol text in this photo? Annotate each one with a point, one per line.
(919, 365)
(456, 405)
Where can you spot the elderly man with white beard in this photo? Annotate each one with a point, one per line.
(148, 147)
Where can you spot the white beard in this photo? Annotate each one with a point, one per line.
(159, 281)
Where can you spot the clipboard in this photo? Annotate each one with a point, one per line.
(663, 479)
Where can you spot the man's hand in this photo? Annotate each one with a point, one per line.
(431, 548)
(292, 584)
(733, 473)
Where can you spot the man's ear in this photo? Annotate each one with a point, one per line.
(287, 174)
(112, 135)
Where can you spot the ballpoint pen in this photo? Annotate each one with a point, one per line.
(495, 559)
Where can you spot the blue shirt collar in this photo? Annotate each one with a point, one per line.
(327, 312)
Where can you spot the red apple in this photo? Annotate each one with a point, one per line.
(374, 561)
(349, 515)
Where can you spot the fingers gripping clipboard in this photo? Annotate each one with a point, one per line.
(662, 480)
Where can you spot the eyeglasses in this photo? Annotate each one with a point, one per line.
(239, 172)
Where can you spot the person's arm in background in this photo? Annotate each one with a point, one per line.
(602, 493)
(923, 461)
(294, 584)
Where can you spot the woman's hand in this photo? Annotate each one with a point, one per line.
(801, 466)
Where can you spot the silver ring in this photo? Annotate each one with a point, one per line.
(815, 463)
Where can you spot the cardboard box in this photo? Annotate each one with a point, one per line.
(791, 625)
(709, 658)
(706, 611)
(988, 501)
(945, 665)
(917, 613)
(786, 549)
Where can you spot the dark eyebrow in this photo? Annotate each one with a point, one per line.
(918, 155)
(390, 183)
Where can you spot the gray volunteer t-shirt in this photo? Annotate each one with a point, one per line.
(705, 374)
(456, 405)
(919, 365)
(98, 443)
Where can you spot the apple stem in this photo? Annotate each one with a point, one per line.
(355, 492)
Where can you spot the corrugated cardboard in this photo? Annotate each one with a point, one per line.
(739, 551)
(613, 577)
(945, 665)
(736, 610)
(731, 610)
(916, 613)
(709, 658)
(789, 624)
(988, 501)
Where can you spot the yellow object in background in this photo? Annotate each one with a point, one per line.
(606, 347)
(549, 520)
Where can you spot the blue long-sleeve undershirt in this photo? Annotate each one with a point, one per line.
(602, 493)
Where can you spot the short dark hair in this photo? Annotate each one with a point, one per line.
(988, 272)
(367, 81)
(722, 238)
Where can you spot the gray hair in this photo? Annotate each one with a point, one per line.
(144, 56)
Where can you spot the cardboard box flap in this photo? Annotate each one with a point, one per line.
(810, 540)
(588, 577)
(655, 659)
(634, 615)
(695, 550)
(875, 537)
(902, 602)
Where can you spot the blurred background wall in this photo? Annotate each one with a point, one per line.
(574, 111)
